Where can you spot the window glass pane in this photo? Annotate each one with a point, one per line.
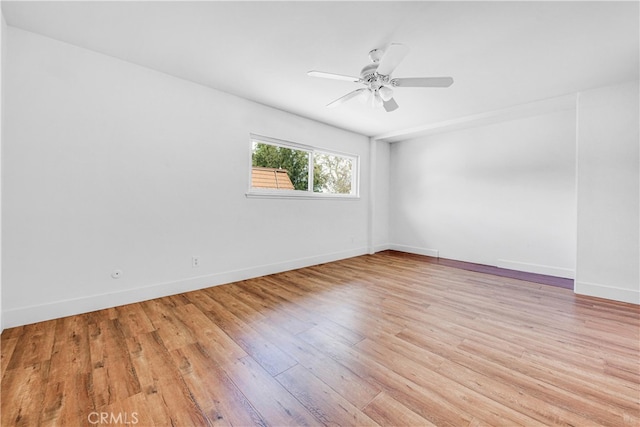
(276, 167)
(332, 174)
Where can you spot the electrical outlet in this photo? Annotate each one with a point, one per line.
(195, 261)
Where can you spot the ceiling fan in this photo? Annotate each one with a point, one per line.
(377, 78)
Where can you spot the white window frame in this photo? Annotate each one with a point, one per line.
(309, 193)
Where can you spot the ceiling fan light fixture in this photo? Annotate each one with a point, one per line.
(365, 97)
(376, 100)
(386, 93)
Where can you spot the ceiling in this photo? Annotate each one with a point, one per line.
(500, 54)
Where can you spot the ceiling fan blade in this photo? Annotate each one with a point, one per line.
(422, 82)
(390, 105)
(346, 97)
(393, 55)
(334, 76)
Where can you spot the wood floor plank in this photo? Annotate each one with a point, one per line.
(424, 401)
(34, 345)
(115, 377)
(135, 410)
(327, 406)
(268, 396)
(469, 388)
(280, 313)
(27, 386)
(209, 335)
(530, 380)
(220, 400)
(342, 380)
(6, 352)
(161, 382)
(273, 359)
(134, 320)
(66, 400)
(387, 411)
(387, 339)
(579, 367)
(174, 333)
(347, 335)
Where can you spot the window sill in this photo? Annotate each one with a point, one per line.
(287, 194)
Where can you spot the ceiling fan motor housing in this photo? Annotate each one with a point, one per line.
(371, 78)
(369, 74)
(368, 71)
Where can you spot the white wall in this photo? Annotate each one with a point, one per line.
(3, 51)
(501, 194)
(380, 206)
(608, 254)
(108, 165)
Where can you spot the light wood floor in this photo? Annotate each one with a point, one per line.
(387, 339)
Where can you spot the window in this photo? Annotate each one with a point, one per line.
(332, 173)
(286, 169)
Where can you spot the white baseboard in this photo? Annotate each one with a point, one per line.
(57, 309)
(548, 270)
(608, 292)
(380, 248)
(414, 250)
